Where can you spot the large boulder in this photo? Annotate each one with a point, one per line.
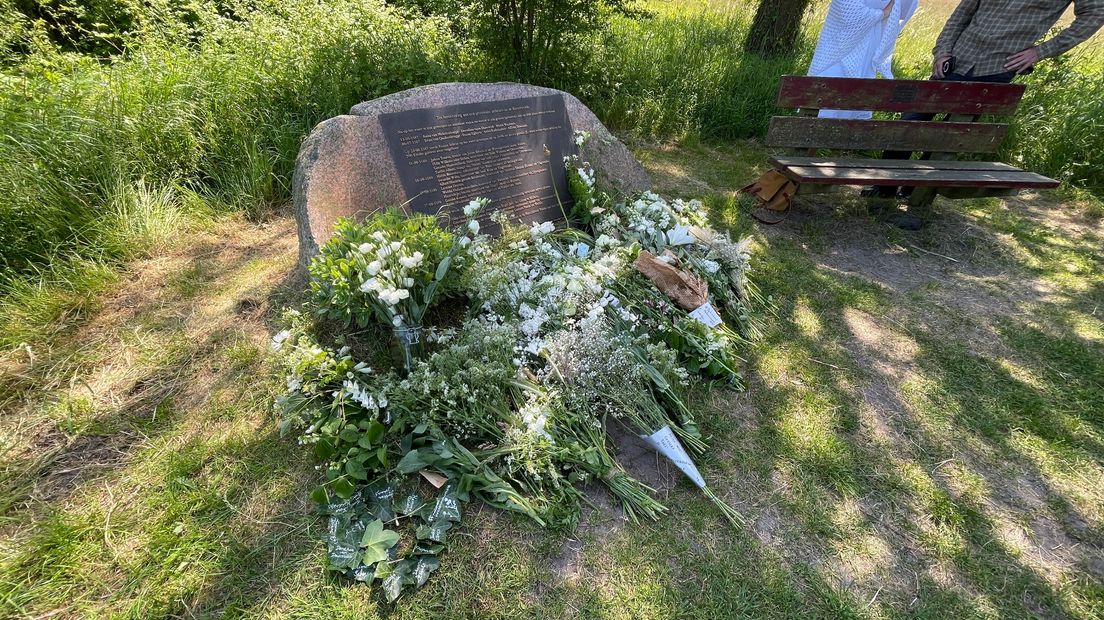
(345, 167)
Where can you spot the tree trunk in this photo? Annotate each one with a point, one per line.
(776, 26)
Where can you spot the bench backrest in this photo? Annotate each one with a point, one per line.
(962, 101)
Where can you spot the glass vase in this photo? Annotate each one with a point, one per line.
(406, 346)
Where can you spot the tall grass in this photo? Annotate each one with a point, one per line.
(682, 73)
(221, 117)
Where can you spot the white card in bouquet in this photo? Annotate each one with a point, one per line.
(707, 314)
(665, 442)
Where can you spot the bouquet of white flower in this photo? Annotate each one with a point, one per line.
(512, 401)
(390, 271)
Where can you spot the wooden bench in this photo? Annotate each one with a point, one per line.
(940, 173)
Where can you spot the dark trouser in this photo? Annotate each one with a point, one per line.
(1003, 78)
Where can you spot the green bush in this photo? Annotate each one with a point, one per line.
(535, 40)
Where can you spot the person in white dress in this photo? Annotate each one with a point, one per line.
(857, 40)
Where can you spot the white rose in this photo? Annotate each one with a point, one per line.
(472, 208)
(473, 226)
(365, 248)
(464, 242)
(374, 267)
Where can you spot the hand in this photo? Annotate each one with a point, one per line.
(888, 9)
(1023, 60)
(937, 66)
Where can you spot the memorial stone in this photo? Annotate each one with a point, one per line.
(436, 147)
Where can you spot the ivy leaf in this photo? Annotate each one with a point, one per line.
(426, 548)
(424, 568)
(377, 541)
(434, 530)
(413, 461)
(343, 551)
(410, 504)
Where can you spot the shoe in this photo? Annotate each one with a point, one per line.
(879, 191)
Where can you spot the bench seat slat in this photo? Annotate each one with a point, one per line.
(919, 174)
(936, 96)
(849, 134)
(906, 164)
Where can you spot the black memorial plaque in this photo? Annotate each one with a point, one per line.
(510, 152)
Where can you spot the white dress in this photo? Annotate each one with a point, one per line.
(857, 41)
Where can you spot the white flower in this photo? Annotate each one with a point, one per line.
(710, 266)
(374, 267)
(396, 246)
(605, 241)
(412, 261)
(542, 229)
(464, 242)
(679, 235)
(366, 248)
(379, 236)
(278, 340)
(408, 282)
(472, 208)
(473, 226)
(397, 321)
(294, 383)
(370, 285)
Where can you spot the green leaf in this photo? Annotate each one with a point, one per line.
(355, 468)
(343, 487)
(320, 495)
(324, 449)
(377, 541)
(375, 431)
(424, 568)
(349, 434)
(410, 504)
(342, 551)
(414, 461)
(442, 269)
(435, 530)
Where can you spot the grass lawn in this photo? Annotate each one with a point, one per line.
(923, 435)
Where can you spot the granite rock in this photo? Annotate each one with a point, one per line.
(345, 168)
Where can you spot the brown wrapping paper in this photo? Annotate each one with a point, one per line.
(687, 291)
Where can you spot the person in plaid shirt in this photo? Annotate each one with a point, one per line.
(994, 41)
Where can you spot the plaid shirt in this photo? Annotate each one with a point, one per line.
(982, 34)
